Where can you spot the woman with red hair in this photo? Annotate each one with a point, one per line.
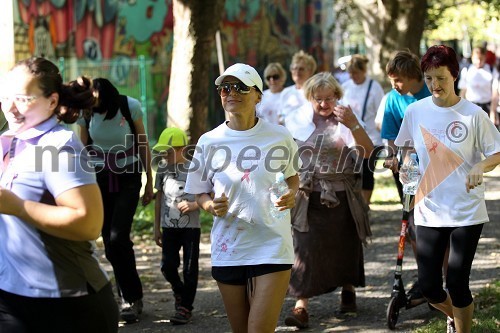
(456, 144)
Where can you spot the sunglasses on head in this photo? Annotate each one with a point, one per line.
(274, 77)
(224, 89)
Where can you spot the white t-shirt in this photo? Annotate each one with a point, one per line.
(291, 99)
(448, 141)
(238, 163)
(379, 118)
(355, 94)
(477, 82)
(269, 106)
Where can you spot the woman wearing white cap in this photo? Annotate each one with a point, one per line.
(232, 169)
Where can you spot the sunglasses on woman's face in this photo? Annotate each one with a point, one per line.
(274, 77)
(224, 89)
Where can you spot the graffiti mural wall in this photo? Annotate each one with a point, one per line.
(112, 34)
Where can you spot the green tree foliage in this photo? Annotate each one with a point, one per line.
(477, 20)
(390, 25)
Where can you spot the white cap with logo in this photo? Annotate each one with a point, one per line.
(245, 73)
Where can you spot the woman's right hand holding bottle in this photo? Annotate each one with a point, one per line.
(220, 205)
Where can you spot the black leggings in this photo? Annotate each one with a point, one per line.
(431, 248)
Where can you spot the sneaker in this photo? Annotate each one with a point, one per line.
(348, 301)
(415, 296)
(450, 326)
(415, 292)
(178, 300)
(299, 318)
(182, 316)
(130, 312)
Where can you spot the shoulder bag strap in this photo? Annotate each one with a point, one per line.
(366, 99)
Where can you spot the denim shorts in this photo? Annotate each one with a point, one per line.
(239, 275)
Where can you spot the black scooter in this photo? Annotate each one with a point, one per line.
(399, 298)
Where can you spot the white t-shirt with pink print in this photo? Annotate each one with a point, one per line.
(243, 166)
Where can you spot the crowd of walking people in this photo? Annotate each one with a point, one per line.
(322, 139)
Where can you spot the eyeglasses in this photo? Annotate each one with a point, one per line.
(328, 100)
(225, 88)
(21, 101)
(274, 77)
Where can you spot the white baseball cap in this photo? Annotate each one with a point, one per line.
(245, 73)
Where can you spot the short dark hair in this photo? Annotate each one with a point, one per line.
(357, 62)
(440, 56)
(404, 63)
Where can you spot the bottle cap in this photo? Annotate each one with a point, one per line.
(280, 177)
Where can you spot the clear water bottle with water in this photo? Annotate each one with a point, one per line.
(412, 172)
(278, 188)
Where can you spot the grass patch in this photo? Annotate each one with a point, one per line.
(385, 191)
(486, 313)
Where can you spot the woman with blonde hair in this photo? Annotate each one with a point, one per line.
(330, 220)
(274, 78)
(292, 98)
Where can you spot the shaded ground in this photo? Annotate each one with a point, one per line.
(380, 258)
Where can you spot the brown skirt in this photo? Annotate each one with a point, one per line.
(330, 255)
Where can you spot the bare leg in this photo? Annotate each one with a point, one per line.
(267, 298)
(463, 318)
(236, 305)
(445, 307)
(445, 262)
(302, 303)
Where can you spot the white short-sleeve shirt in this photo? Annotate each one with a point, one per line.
(45, 161)
(448, 142)
(243, 166)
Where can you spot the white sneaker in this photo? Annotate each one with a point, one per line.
(130, 312)
(450, 325)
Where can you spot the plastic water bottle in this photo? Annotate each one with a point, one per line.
(278, 188)
(410, 168)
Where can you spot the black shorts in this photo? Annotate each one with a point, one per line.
(239, 275)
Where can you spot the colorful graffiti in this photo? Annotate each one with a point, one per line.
(259, 32)
(116, 32)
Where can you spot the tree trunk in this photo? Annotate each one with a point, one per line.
(391, 25)
(195, 24)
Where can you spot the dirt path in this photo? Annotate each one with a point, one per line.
(380, 256)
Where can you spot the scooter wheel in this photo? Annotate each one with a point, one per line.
(392, 313)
